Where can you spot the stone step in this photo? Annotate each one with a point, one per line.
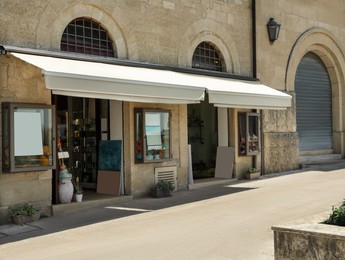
(308, 159)
(202, 183)
(324, 165)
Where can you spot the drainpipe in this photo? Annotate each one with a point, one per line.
(254, 38)
(254, 64)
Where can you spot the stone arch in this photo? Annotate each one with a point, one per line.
(49, 34)
(320, 42)
(210, 31)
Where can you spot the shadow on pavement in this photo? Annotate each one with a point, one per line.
(82, 217)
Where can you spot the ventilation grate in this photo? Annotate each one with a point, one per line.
(166, 174)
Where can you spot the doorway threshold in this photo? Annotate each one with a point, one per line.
(201, 183)
(90, 199)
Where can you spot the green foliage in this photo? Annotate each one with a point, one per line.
(337, 217)
(78, 189)
(164, 186)
(252, 170)
(27, 209)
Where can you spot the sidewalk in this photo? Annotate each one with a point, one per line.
(218, 222)
(125, 205)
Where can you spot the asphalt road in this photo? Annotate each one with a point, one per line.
(219, 222)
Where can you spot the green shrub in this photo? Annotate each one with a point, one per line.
(337, 217)
(164, 186)
(252, 170)
(27, 209)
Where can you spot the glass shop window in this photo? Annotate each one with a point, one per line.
(249, 141)
(28, 141)
(152, 135)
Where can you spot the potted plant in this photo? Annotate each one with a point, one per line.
(24, 213)
(252, 173)
(78, 190)
(162, 189)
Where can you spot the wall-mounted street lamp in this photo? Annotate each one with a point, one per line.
(273, 29)
(2, 50)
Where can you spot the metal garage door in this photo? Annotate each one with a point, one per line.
(314, 104)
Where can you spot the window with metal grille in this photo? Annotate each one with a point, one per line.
(83, 35)
(207, 56)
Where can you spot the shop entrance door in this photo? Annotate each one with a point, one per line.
(203, 138)
(79, 129)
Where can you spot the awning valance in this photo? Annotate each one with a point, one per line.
(245, 94)
(109, 81)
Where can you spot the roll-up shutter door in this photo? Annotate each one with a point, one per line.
(314, 104)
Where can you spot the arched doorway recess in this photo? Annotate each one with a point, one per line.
(313, 104)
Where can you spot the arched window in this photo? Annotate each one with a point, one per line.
(208, 57)
(83, 35)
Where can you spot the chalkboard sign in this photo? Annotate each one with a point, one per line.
(110, 155)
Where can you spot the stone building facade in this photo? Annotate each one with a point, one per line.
(165, 34)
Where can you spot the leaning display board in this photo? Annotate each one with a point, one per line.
(109, 167)
(224, 162)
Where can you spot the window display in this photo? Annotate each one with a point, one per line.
(28, 137)
(152, 135)
(249, 143)
(82, 123)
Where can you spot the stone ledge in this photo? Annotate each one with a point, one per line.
(309, 239)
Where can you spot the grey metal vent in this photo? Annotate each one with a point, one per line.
(166, 174)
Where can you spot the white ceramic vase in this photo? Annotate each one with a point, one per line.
(65, 190)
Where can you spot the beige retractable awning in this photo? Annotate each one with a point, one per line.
(245, 94)
(109, 81)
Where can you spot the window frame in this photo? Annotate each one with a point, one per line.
(140, 145)
(207, 56)
(88, 36)
(245, 119)
(30, 162)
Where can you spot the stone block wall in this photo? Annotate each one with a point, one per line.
(309, 241)
(140, 177)
(280, 152)
(21, 82)
(280, 139)
(166, 32)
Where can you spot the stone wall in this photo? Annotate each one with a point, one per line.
(280, 139)
(21, 82)
(166, 32)
(318, 27)
(309, 241)
(140, 177)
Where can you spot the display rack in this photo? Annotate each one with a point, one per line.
(195, 126)
(249, 141)
(83, 152)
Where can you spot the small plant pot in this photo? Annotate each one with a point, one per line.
(253, 176)
(160, 193)
(21, 219)
(79, 197)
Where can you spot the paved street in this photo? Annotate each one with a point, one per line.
(219, 222)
